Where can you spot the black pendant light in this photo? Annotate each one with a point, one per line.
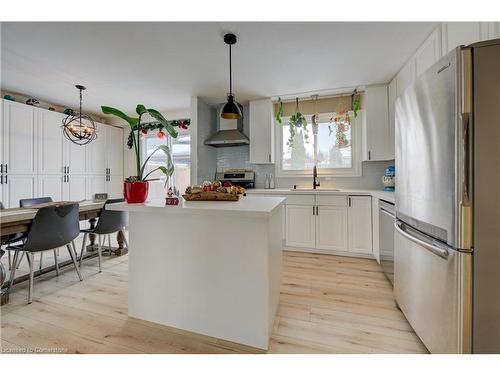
(231, 109)
(78, 127)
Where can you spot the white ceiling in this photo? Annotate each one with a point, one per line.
(163, 64)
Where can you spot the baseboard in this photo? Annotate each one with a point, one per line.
(329, 252)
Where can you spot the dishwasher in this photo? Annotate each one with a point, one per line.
(387, 219)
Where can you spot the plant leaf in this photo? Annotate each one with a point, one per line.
(159, 117)
(169, 164)
(140, 109)
(132, 121)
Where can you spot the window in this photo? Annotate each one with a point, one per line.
(181, 157)
(337, 149)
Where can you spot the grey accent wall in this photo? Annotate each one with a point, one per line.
(206, 155)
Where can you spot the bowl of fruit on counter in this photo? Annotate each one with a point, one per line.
(214, 191)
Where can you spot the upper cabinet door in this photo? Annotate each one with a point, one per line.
(50, 142)
(428, 53)
(75, 158)
(378, 139)
(19, 137)
(96, 152)
(114, 149)
(261, 132)
(463, 33)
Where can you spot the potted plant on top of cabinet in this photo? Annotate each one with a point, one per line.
(136, 187)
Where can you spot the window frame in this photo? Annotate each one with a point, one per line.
(356, 139)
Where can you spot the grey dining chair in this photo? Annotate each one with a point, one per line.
(52, 227)
(29, 202)
(109, 222)
(16, 237)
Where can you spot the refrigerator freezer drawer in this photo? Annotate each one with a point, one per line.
(432, 287)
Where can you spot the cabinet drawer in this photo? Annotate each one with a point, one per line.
(331, 200)
(307, 200)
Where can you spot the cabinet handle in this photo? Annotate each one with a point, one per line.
(369, 155)
(1, 168)
(349, 200)
(5, 168)
(1, 179)
(269, 158)
(317, 210)
(314, 211)
(68, 169)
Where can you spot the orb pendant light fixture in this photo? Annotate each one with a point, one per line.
(78, 127)
(231, 109)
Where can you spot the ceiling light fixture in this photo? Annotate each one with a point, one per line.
(231, 109)
(79, 128)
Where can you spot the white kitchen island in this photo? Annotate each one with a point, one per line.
(212, 268)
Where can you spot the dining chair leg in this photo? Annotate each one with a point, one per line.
(13, 270)
(72, 254)
(109, 243)
(41, 260)
(83, 248)
(31, 262)
(9, 260)
(56, 262)
(125, 240)
(99, 250)
(19, 261)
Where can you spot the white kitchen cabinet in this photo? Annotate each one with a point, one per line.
(331, 228)
(359, 215)
(300, 226)
(463, 33)
(378, 139)
(261, 132)
(19, 138)
(96, 152)
(75, 157)
(375, 230)
(18, 186)
(392, 91)
(428, 53)
(75, 187)
(114, 150)
(50, 143)
(114, 186)
(96, 184)
(51, 186)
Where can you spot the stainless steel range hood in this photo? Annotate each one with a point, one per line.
(230, 132)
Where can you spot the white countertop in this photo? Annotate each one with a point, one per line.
(380, 194)
(246, 206)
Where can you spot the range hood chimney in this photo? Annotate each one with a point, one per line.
(230, 132)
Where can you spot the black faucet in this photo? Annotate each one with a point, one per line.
(315, 178)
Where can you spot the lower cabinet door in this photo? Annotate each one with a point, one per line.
(331, 228)
(16, 187)
(360, 224)
(75, 188)
(96, 184)
(115, 187)
(300, 225)
(51, 186)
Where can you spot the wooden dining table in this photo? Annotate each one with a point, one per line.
(18, 220)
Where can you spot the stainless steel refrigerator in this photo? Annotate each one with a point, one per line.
(447, 238)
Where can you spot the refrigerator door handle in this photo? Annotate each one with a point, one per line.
(443, 253)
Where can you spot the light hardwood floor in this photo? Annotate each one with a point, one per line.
(328, 304)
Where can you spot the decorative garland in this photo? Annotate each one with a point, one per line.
(152, 126)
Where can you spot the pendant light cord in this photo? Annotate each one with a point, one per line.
(230, 73)
(80, 114)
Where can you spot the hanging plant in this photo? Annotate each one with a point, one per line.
(355, 102)
(279, 113)
(342, 123)
(297, 120)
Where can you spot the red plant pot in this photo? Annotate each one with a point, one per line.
(135, 192)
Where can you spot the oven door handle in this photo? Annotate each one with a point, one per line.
(441, 252)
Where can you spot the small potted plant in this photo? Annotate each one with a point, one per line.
(136, 188)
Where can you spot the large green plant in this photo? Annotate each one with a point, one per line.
(137, 127)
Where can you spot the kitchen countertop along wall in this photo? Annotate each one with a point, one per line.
(388, 196)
